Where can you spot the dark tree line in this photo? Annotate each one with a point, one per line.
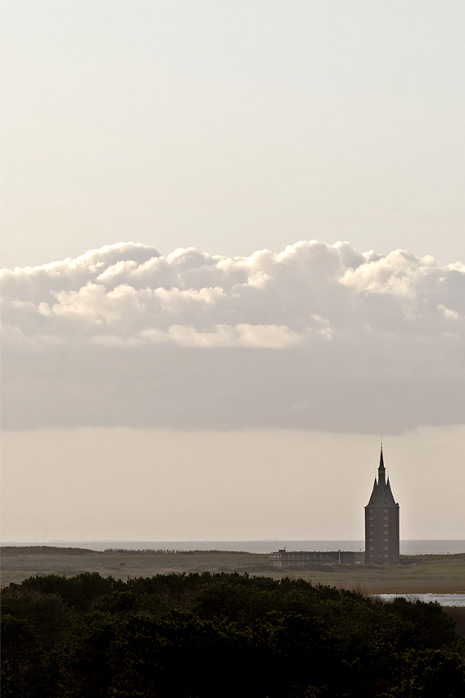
(203, 635)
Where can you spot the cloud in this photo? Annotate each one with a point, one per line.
(316, 336)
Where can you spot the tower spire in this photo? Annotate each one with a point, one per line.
(381, 469)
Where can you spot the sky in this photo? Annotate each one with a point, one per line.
(233, 251)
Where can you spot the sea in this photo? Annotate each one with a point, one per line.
(407, 547)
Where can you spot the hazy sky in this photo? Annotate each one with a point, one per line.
(189, 350)
(232, 126)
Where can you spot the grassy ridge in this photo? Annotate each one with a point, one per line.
(424, 574)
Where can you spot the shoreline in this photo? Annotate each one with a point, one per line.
(264, 546)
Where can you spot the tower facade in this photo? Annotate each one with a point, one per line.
(381, 522)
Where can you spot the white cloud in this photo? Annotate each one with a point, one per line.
(316, 336)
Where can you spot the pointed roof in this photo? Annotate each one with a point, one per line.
(381, 495)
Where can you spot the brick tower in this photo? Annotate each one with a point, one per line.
(381, 522)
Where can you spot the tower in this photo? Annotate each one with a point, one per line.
(382, 522)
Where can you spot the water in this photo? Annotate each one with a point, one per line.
(407, 547)
(441, 599)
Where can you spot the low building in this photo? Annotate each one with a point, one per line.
(283, 558)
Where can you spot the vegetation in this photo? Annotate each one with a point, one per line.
(44, 550)
(209, 635)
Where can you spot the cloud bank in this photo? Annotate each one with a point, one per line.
(317, 336)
